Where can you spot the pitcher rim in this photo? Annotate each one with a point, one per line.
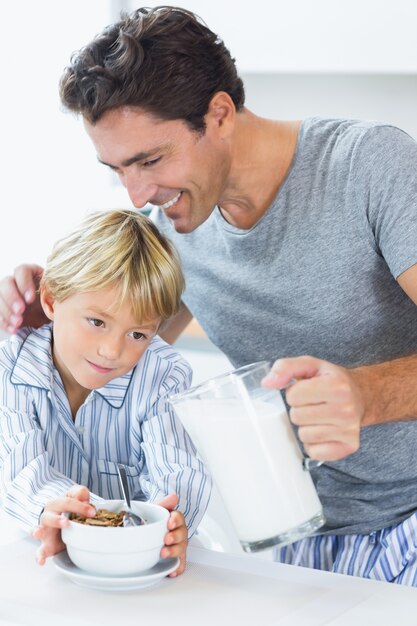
(227, 376)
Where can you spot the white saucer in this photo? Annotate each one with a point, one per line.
(114, 583)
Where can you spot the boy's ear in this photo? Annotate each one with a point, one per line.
(47, 302)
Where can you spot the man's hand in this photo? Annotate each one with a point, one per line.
(326, 404)
(19, 301)
(51, 521)
(176, 538)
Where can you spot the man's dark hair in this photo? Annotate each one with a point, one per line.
(164, 60)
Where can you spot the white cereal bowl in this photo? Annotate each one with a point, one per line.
(118, 551)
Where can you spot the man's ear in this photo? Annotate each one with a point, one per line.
(47, 302)
(221, 112)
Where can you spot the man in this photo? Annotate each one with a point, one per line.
(296, 238)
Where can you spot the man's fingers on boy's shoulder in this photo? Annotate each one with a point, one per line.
(27, 278)
(12, 304)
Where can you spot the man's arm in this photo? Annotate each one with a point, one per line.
(330, 403)
(175, 326)
(389, 388)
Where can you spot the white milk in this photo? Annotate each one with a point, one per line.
(256, 462)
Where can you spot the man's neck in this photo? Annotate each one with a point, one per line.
(262, 156)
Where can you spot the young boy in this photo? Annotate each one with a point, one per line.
(89, 390)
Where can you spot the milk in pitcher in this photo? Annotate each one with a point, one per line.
(256, 462)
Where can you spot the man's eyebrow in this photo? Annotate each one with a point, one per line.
(140, 156)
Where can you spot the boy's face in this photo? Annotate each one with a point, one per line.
(94, 340)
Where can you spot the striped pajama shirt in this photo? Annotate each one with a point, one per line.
(44, 451)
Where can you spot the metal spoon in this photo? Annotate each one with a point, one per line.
(129, 518)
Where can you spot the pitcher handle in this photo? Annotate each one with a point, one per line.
(309, 464)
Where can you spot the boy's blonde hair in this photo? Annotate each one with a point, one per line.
(119, 248)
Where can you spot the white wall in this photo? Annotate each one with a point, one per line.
(49, 174)
(385, 97)
(355, 36)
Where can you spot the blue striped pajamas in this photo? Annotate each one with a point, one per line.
(388, 555)
(44, 451)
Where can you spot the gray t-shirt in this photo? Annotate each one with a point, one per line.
(317, 275)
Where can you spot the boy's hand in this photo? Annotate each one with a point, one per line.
(51, 521)
(176, 538)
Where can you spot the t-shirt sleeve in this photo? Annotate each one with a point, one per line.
(386, 172)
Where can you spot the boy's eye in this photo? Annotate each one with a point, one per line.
(95, 322)
(137, 335)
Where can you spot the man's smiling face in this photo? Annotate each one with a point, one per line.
(164, 162)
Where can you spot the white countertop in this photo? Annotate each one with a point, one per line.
(216, 589)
